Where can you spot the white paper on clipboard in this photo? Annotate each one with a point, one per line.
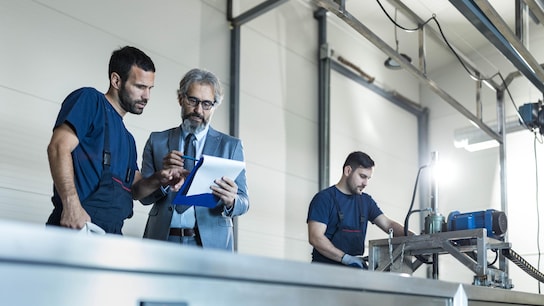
(213, 168)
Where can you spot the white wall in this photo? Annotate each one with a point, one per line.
(51, 47)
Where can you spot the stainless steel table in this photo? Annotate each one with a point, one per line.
(59, 267)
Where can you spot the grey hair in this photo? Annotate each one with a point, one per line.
(201, 76)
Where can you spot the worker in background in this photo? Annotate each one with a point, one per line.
(92, 156)
(199, 94)
(338, 216)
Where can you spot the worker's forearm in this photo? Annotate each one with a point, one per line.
(62, 172)
(325, 247)
(145, 186)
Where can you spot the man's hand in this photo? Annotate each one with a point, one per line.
(172, 160)
(74, 216)
(353, 261)
(173, 173)
(173, 177)
(226, 190)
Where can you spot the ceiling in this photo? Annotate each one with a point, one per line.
(457, 29)
(467, 31)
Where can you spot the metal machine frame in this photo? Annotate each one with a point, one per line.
(467, 246)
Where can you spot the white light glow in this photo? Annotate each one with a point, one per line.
(443, 172)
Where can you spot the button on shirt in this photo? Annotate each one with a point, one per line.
(187, 218)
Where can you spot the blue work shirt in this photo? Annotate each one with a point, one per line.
(84, 110)
(323, 208)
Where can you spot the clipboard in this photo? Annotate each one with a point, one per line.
(196, 188)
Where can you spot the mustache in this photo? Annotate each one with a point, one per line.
(193, 115)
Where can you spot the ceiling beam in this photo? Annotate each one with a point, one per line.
(536, 10)
(484, 17)
(437, 37)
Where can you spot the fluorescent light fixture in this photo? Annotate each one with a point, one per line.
(479, 146)
(473, 139)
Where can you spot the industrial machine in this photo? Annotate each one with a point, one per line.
(469, 237)
(492, 220)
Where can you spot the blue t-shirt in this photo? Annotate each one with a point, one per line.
(323, 209)
(84, 111)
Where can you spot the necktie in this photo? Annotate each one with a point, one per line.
(189, 150)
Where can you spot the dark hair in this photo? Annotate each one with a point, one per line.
(358, 159)
(201, 76)
(123, 59)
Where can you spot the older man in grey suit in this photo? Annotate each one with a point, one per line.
(199, 94)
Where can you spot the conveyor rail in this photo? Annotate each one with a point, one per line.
(523, 264)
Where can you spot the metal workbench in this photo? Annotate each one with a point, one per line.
(59, 267)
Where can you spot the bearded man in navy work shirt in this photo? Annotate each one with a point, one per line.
(92, 156)
(338, 216)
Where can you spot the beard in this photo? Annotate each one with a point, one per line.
(354, 189)
(190, 126)
(127, 103)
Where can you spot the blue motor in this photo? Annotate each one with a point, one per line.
(493, 221)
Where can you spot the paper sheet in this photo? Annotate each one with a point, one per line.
(213, 168)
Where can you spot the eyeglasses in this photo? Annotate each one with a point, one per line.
(193, 102)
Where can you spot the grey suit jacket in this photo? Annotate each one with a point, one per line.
(214, 225)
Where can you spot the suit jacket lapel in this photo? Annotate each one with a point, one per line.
(211, 146)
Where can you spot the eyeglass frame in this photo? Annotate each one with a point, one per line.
(194, 102)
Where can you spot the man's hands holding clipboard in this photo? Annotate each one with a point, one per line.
(174, 175)
(226, 190)
(211, 181)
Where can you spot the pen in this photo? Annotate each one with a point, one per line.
(189, 157)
